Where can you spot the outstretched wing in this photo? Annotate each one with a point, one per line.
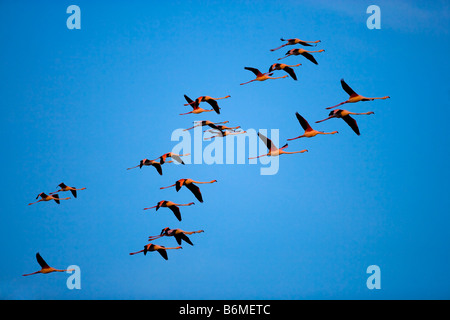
(177, 158)
(193, 104)
(57, 198)
(185, 238)
(305, 125)
(305, 44)
(213, 126)
(347, 89)
(254, 70)
(213, 103)
(352, 123)
(74, 192)
(272, 67)
(309, 57)
(178, 185)
(195, 190)
(41, 261)
(176, 212)
(267, 142)
(291, 72)
(163, 253)
(158, 167)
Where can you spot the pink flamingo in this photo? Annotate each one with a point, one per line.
(345, 115)
(273, 150)
(45, 267)
(261, 76)
(154, 247)
(309, 132)
(354, 97)
(296, 41)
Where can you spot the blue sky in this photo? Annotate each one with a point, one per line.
(81, 106)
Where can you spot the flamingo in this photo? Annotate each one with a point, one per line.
(195, 107)
(206, 123)
(174, 156)
(45, 267)
(223, 128)
(178, 234)
(212, 102)
(261, 76)
(147, 162)
(224, 133)
(345, 115)
(307, 54)
(67, 188)
(189, 183)
(172, 206)
(45, 197)
(273, 150)
(285, 67)
(296, 41)
(354, 97)
(309, 132)
(154, 247)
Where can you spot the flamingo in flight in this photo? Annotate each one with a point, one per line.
(46, 197)
(154, 247)
(285, 67)
(196, 108)
(189, 183)
(45, 267)
(273, 150)
(172, 206)
(67, 188)
(309, 132)
(206, 123)
(296, 41)
(354, 97)
(212, 102)
(178, 234)
(307, 54)
(261, 76)
(174, 156)
(345, 115)
(223, 128)
(224, 133)
(147, 162)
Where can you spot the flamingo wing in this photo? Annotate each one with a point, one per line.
(267, 142)
(352, 123)
(291, 72)
(254, 70)
(56, 196)
(178, 185)
(182, 236)
(213, 103)
(305, 44)
(158, 167)
(193, 104)
(347, 89)
(41, 261)
(177, 158)
(272, 67)
(309, 57)
(195, 190)
(176, 212)
(305, 125)
(163, 253)
(74, 192)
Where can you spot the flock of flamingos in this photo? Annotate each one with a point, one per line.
(218, 129)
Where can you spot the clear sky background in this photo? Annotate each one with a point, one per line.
(81, 106)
